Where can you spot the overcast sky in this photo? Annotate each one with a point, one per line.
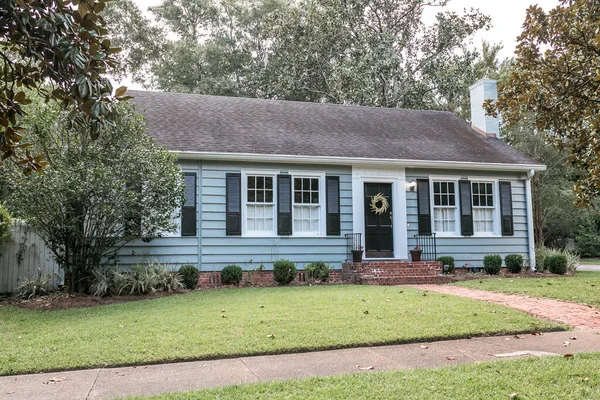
(507, 18)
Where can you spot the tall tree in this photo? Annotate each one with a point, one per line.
(60, 43)
(556, 79)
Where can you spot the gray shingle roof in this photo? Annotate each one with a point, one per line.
(197, 123)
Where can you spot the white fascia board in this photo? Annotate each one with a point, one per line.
(210, 156)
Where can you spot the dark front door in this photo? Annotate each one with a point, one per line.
(379, 235)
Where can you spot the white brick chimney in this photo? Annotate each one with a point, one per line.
(482, 90)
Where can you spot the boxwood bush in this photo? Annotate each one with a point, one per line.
(514, 263)
(284, 272)
(492, 264)
(557, 264)
(231, 275)
(317, 270)
(189, 276)
(447, 261)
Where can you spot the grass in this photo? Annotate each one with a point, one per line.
(191, 326)
(544, 378)
(583, 288)
(590, 261)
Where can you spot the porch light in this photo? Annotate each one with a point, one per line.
(412, 185)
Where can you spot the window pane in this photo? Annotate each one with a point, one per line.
(268, 196)
(315, 197)
(260, 182)
(251, 182)
(306, 197)
(437, 200)
(269, 182)
(251, 196)
(297, 197)
(475, 188)
(450, 187)
(490, 201)
(305, 184)
(444, 187)
(451, 200)
(476, 201)
(489, 188)
(314, 184)
(436, 187)
(260, 196)
(297, 184)
(444, 200)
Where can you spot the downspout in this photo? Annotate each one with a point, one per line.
(531, 238)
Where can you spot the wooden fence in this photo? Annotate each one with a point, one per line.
(24, 255)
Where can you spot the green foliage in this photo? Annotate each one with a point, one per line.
(284, 272)
(318, 271)
(97, 195)
(566, 104)
(58, 49)
(492, 264)
(231, 275)
(142, 279)
(447, 261)
(34, 286)
(542, 254)
(587, 241)
(514, 263)
(556, 264)
(189, 276)
(5, 225)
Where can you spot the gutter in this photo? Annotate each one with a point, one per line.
(529, 199)
(275, 158)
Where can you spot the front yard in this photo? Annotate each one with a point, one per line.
(584, 287)
(546, 378)
(235, 322)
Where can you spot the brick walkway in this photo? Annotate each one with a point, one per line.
(578, 315)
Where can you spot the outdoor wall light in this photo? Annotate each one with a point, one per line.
(412, 185)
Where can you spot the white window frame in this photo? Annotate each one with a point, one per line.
(245, 174)
(440, 178)
(495, 188)
(322, 194)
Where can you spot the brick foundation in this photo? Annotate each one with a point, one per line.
(394, 272)
(212, 279)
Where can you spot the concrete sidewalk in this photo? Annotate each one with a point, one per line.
(588, 267)
(153, 379)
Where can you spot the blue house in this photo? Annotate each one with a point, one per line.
(270, 180)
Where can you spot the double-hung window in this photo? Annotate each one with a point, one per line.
(307, 206)
(260, 204)
(483, 207)
(444, 207)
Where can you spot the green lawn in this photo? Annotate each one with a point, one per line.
(528, 379)
(193, 326)
(592, 261)
(584, 287)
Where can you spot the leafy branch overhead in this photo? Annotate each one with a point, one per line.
(57, 49)
(556, 80)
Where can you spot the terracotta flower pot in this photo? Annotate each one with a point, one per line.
(415, 255)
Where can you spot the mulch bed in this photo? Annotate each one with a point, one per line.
(65, 301)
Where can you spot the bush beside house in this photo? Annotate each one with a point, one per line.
(492, 264)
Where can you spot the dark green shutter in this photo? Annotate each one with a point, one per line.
(233, 200)
(466, 208)
(188, 211)
(424, 206)
(333, 205)
(506, 209)
(284, 205)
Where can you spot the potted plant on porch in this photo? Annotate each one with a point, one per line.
(357, 253)
(415, 254)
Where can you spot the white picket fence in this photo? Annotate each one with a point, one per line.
(22, 256)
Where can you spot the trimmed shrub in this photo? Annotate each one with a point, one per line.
(318, 270)
(189, 276)
(284, 272)
(231, 275)
(492, 264)
(447, 261)
(542, 253)
(514, 263)
(557, 264)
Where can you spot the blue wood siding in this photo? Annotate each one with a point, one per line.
(471, 250)
(219, 250)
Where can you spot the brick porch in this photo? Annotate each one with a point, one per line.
(394, 272)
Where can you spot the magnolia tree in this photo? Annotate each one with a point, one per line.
(96, 195)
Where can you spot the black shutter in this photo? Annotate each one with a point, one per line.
(284, 205)
(506, 209)
(333, 205)
(423, 206)
(466, 208)
(188, 212)
(233, 215)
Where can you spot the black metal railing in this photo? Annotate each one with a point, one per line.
(428, 245)
(353, 243)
